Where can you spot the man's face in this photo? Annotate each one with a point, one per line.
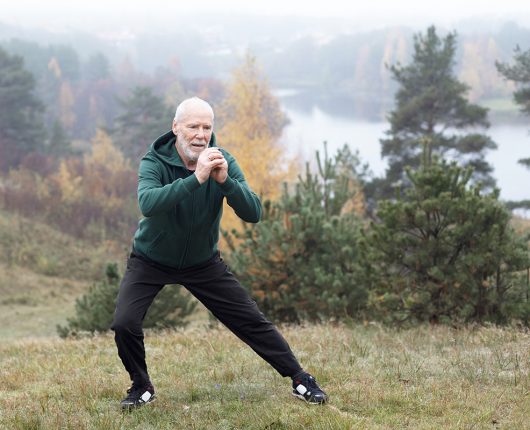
(193, 131)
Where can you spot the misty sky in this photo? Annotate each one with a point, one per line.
(131, 14)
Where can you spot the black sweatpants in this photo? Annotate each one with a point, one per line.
(215, 287)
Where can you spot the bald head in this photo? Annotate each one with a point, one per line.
(193, 127)
(192, 106)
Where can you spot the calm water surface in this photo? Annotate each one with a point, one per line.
(310, 127)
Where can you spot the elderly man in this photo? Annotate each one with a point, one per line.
(183, 180)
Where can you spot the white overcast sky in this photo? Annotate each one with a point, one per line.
(101, 14)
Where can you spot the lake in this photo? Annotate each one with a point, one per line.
(310, 126)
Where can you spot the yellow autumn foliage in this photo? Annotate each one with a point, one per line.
(104, 154)
(68, 183)
(251, 124)
(251, 127)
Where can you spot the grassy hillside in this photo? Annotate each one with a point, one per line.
(378, 378)
(42, 271)
(425, 378)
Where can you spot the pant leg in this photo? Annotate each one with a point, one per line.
(218, 289)
(139, 286)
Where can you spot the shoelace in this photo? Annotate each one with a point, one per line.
(132, 393)
(311, 383)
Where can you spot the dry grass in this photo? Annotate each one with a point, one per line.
(32, 304)
(378, 378)
(44, 250)
(521, 225)
(42, 271)
(425, 378)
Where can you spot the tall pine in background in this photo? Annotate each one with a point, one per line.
(144, 117)
(519, 73)
(431, 103)
(21, 125)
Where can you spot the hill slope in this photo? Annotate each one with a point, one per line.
(425, 378)
(42, 271)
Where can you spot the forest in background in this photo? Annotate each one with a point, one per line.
(81, 77)
(74, 131)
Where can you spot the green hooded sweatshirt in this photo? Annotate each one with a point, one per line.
(180, 227)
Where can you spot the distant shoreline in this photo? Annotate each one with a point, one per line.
(373, 106)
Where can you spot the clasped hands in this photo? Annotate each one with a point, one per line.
(211, 163)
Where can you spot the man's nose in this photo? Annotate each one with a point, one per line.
(201, 134)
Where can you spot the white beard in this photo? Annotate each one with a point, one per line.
(185, 147)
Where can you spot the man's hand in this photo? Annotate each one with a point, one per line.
(220, 173)
(211, 163)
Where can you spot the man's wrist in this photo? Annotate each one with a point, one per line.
(228, 186)
(200, 178)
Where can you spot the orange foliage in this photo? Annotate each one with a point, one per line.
(97, 190)
(68, 183)
(251, 126)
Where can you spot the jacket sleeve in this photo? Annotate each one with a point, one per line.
(239, 196)
(154, 197)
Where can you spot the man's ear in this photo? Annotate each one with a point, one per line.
(174, 127)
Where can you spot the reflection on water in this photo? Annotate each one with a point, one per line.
(365, 106)
(312, 123)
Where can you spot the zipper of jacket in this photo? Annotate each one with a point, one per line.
(188, 238)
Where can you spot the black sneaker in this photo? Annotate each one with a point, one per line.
(305, 387)
(137, 397)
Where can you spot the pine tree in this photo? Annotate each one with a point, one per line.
(144, 118)
(96, 68)
(443, 251)
(431, 103)
(21, 126)
(300, 261)
(59, 142)
(95, 309)
(519, 73)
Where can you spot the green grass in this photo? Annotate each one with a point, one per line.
(423, 378)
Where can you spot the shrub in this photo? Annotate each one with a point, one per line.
(444, 252)
(95, 309)
(300, 261)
